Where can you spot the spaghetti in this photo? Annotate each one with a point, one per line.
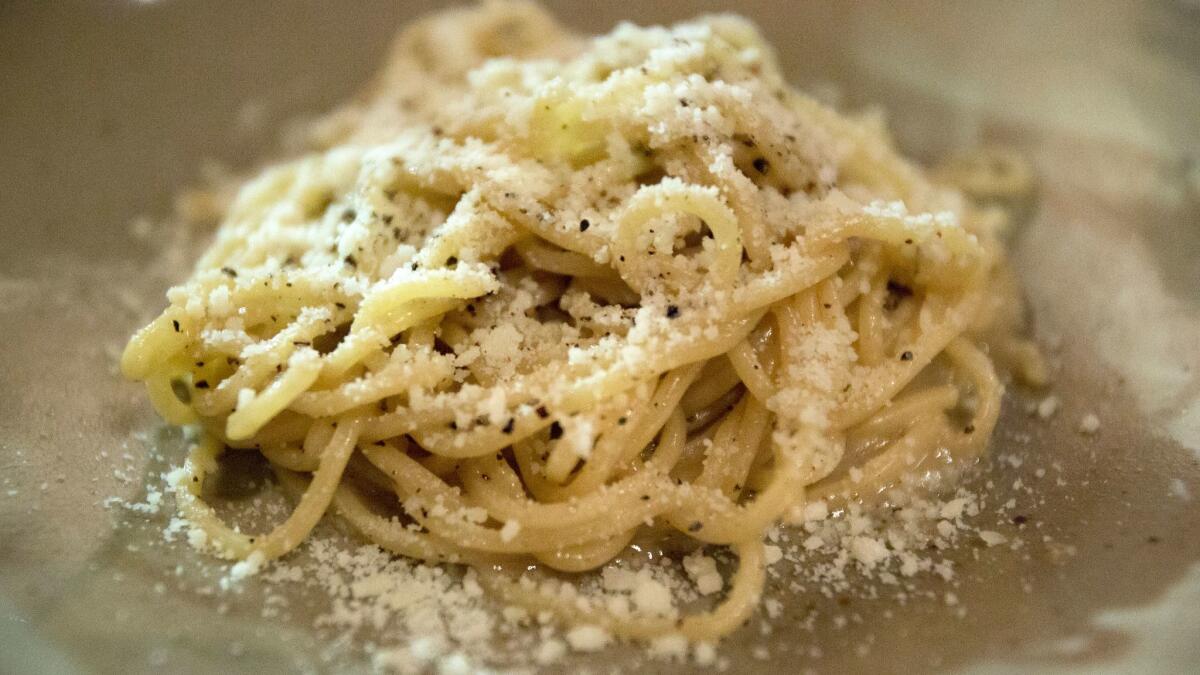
(537, 297)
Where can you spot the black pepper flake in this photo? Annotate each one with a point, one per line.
(387, 219)
(451, 261)
(1020, 520)
(453, 425)
(969, 429)
(556, 431)
(340, 305)
(509, 426)
(696, 526)
(584, 225)
(351, 261)
(1152, 539)
(413, 267)
(542, 412)
(175, 323)
(229, 272)
(761, 164)
(202, 384)
(485, 477)
(672, 311)
(908, 241)
(380, 443)
(348, 215)
(906, 356)
(471, 309)
(622, 420)
(645, 498)
(199, 364)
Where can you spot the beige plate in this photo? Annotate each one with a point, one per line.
(107, 109)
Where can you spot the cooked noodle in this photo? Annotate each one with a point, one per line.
(535, 296)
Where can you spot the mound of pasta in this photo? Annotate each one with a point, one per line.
(535, 297)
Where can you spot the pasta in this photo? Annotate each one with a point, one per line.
(534, 297)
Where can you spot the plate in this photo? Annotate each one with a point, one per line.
(110, 109)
